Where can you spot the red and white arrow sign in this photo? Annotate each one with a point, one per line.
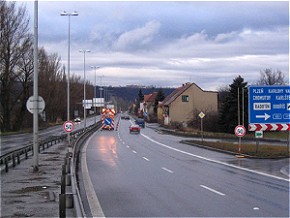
(269, 127)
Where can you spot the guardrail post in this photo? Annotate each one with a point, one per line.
(18, 157)
(62, 205)
(13, 160)
(6, 164)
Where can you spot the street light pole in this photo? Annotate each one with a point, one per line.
(35, 90)
(95, 92)
(64, 13)
(84, 101)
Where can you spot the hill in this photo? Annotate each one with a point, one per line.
(130, 93)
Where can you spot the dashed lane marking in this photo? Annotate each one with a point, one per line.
(167, 170)
(214, 161)
(145, 158)
(212, 190)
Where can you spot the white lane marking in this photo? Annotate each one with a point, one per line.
(135, 152)
(256, 208)
(214, 161)
(127, 146)
(93, 200)
(212, 190)
(145, 158)
(167, 170)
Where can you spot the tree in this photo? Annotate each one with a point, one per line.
(228, 117)
(14, 33)
(268, 77)
(141, 96)
(159, 97)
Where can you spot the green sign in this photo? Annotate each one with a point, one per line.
(259, 134)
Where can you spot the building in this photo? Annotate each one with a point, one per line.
(149, 101)
(185, 103)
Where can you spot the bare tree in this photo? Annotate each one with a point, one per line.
(24, 78)
(269, 77)
(52, 85)
(14, 30)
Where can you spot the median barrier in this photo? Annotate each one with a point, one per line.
(70, 196)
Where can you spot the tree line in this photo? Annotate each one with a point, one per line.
(16, 74)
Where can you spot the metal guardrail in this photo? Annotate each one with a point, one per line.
(70, 195)
(12, 158)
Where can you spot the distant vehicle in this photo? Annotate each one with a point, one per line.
(108, 116)
(77, 120)
(140, 122)
(134, 128)
(125, 117)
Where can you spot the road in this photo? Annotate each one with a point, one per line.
(153, 175)
(12, 142)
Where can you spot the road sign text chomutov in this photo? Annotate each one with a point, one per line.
(269, 104)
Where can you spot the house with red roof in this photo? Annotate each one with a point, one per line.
(149, 101)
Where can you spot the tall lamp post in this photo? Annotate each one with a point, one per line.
(84, 102)
(95, 91)
(64, 13)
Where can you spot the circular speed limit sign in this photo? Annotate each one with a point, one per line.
(68, 126)
(240, 131)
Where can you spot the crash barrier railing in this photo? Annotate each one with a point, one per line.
(70, 195)
(12, 158)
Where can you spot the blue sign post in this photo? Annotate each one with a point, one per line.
(269, 104)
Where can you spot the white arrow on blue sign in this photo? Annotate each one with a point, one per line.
(108, 121)
(269, 104)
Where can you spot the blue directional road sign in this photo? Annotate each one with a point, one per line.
(269, 104)
(108, 121)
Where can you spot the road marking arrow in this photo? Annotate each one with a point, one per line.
(265, 116)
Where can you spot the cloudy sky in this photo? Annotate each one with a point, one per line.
(168, 43)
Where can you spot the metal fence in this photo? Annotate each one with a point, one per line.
(12, 158)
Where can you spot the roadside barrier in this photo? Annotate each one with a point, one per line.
(11, 159)
(70, 195)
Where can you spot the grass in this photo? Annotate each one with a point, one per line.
(262, 151)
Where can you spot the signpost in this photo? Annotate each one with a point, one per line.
(269, 105)
(201, 116)
(240, 131)
(269, 108)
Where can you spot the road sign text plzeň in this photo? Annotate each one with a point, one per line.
(269, 104)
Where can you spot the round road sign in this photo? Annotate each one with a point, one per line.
(30, 104)
(240, 131)
(68, 126)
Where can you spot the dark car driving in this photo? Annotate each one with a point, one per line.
(140, 122)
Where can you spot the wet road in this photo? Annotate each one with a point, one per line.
(12, 142)
(153, 175)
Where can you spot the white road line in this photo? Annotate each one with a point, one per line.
(215, 161)
(93, 200)
(212, 190)
(135, 152)
(145, 158)
(167, 170)
(127, 146)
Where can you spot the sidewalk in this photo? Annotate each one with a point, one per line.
(28, 194)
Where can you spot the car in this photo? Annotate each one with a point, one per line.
(77, 120)
(134, 128)
(125, 117)
(140, 122)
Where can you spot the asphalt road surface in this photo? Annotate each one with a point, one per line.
(12, 142)
(153, 175)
